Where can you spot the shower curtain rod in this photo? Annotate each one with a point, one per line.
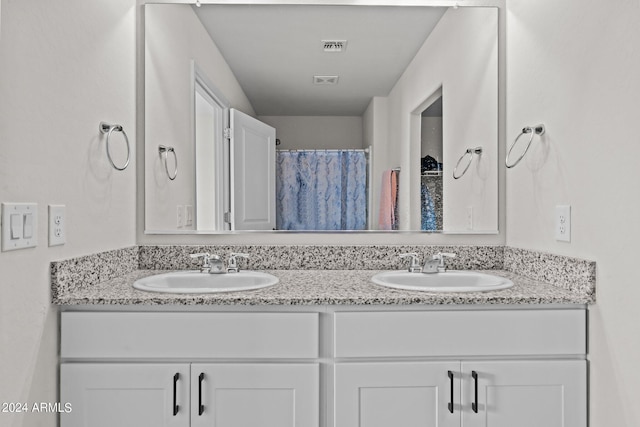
(365, 150)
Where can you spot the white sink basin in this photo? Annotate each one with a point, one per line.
(194, 282)
(450, 281)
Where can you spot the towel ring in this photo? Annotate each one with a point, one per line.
(166, 150)
(537, 130)
(470, 152)
(108, 129)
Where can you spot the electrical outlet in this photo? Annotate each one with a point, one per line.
(188, 212)
(57, 225)
(180, 216)
(563, 223)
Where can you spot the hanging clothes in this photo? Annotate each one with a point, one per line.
(387, 218)
(321, 190)
(427, 210)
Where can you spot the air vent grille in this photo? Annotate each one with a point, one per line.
(325, 80)
(334, 45)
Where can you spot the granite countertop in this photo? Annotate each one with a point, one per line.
(317, 287)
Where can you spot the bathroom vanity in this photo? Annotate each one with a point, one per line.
(326, 366)
(324, 349)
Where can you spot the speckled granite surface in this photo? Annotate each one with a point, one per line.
(84, 272)
(573, 274)
(322, 275)
(319, 257)
(326, 287)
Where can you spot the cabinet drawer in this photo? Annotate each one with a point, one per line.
(189, 335)
(460, 333)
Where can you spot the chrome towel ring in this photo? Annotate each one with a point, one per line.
(469, 152)
(536, 130)
(108, 129)
(165, 150)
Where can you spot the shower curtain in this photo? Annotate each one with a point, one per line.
(321, 190)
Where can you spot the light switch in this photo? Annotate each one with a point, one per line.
(16, 226)
(27, 230)
(19, 226)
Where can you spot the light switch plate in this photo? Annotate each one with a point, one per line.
(24, 233)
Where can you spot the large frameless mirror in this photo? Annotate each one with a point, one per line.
(320, 118)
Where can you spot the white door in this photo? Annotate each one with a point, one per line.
(253, 173)
(405, 394)
(525, 394)
(248, 395)
(125, 395)
(211, 118)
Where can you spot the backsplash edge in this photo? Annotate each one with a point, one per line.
(565, 272)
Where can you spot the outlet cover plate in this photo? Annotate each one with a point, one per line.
(563, 223)
(57, 225)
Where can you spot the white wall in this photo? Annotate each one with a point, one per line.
(316, 132)
(64, 67)
(431, 137)
(174, 36)
(574, 66)
(461, 57)
(375, 128)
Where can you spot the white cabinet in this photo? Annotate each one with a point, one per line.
(549, 393)
(537, 378)
(125, 395)
(409, 394)
(325, 367)
(230, 370)
(199, 395)
(265, 395)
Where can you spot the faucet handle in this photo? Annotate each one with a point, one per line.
(233, 262)
(206, 263)
(201, 255)
(414, 265)
(205, 255)
(442, 255)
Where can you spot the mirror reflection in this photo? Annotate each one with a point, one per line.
(316, 118)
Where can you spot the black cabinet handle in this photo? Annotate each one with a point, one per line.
(200, 405)
(176, 408)
(450, 405)
(474, 404)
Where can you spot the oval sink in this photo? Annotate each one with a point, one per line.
(194, 282)
(450, 281)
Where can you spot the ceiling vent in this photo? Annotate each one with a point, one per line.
(334, 45)
(325, 80)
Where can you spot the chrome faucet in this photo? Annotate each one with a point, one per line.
(436, 264)
(414, 265)
(211, 264)
(233, 262)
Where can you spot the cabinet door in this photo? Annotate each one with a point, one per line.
(245, 395)
(411, 394)
(525, 394)
(125, 395)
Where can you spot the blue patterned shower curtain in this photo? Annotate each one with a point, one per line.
(321, 190)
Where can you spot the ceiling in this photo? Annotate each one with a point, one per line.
(276, 50)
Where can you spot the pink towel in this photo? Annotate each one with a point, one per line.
(386, 218)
